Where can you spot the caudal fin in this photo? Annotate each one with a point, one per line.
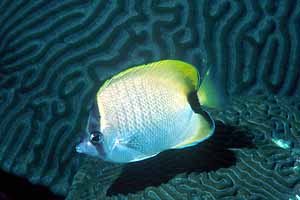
(210, 93)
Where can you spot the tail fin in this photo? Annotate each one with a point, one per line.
(210, 94)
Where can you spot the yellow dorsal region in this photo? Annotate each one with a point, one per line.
(179, 74)
(182, 71)
(203, 128)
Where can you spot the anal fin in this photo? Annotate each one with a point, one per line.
(201, 128)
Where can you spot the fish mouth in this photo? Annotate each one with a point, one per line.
(80, 145)
(79, 148)
(86, 147)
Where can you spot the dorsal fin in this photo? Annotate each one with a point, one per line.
(183, 75)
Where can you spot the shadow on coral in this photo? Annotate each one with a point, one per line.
(13, 188)
(208, 156)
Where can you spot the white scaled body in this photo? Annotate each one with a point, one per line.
(143, 115)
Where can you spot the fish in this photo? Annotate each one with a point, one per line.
(148, 109)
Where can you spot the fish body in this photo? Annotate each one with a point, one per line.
(148, 109)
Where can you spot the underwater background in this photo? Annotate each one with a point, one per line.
(54, 56)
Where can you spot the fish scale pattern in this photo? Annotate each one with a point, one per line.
(260, 169)
(54, 55)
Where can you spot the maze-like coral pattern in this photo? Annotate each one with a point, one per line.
(55, 54)
(241, 161)
(254, 45)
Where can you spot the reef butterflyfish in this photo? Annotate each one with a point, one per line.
(148, 109)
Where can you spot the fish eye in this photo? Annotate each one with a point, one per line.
(96, 137)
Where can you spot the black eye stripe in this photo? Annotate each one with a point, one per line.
(95, 137)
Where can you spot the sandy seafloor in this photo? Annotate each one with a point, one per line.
(54, 56)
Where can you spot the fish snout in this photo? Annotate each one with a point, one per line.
(81, 145)
(91, 143)
(79, 148)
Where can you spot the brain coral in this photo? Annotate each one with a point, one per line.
(55, 54)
